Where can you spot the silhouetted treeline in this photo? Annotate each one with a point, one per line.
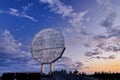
(76, 72)
(97, 75)
(71, 75)
(57, 75)
(107, 75)
(62, 75)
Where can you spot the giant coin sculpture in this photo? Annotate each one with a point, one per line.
(47, 47)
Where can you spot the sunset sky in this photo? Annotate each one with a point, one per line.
(91, 29)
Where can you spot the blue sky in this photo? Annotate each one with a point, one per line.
(91, 29)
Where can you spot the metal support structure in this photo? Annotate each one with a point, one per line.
(42, 68)
(51, 68)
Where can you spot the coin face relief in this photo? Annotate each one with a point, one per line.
(47, 46)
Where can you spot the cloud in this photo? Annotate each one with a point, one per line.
(68, 64)
(59, 7)
(14, 12)
(17, 13)
(77, 20)
(24, 15)
(11, 52)
(2, 12)
(27, 7)
(111, 57)
(9, 44)
(87, 45)
(104, 46)
(109, 41)
(74, 18)
(108, 58)
(24, 12)
(78, 65)
(111, 32)
(89, 54)
(109, 44)
(108, 21)
(63, 63)
(114, 32)
(105, 4)
(13, 57)
(113, 48)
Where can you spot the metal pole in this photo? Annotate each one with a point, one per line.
(51, 68)
(42, 68)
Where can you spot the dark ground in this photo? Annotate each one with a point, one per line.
(37, 76)
(60, 75)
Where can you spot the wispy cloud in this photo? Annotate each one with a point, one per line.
(105, 58)
(17, 13)
(109, 41)
(59, 7)
(109, 20)
(75, 19)
(68, 64)
(110, 44)
(27, 7)
(105, 4)
(14, 12)
(89, 54)
(24, 15)
(113, 48)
